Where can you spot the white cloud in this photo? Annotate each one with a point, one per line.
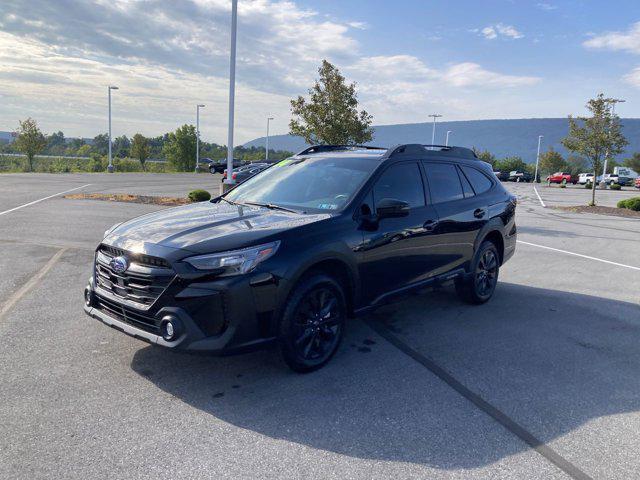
(628, 41)
(633, 77)
(546, 6)
(471, 74)
(491, 32)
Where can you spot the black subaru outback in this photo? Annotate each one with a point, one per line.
(289, 255)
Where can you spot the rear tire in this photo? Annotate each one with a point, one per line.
(313, 323)
(479, 285)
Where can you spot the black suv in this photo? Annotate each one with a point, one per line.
(287, 256)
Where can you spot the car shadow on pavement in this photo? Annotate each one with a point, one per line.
(550, 360)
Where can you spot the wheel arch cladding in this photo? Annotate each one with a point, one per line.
(339, 270)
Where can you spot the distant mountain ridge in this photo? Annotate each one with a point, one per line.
(501, 137)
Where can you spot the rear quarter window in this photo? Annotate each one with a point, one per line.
(444, 183)
(479, 181)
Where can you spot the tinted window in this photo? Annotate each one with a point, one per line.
(466, 186)
(478, 180)
(444, 183)
(402, 182)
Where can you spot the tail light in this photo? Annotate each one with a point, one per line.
(234, 175)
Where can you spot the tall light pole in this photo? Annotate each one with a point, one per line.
(433, 132)
(535, 177)
(603, 184)
(109, 88)
(232, 92)
(266, 155)
(446, 142)
(198, 107)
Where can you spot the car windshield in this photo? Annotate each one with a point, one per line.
(313, 184)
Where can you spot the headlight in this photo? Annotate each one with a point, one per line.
(235, 262)
(111, 229)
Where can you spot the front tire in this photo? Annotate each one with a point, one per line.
(479, 285)
(313, 323)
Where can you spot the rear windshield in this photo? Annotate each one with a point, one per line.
(313, 184)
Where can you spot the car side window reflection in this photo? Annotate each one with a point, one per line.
(401, 182)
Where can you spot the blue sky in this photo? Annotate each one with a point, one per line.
(463, 59)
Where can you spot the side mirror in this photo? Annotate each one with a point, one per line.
(391, 207)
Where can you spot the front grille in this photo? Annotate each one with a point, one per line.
(138, 258)
(139, 286)
(127, 315)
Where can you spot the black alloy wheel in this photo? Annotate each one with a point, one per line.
(313, 323)
(486, 275)
(478, 286)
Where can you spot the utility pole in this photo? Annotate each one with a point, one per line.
(198, 107)
(110, 167)
(229, 181)
(433, 132)
(535, 177)
(266, 155)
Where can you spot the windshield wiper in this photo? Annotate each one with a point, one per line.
(229, 201)
(271, 206)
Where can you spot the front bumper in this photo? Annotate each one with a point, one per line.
(226, 317)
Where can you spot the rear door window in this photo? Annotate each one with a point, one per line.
(444, 183)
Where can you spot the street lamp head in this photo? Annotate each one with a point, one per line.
(113, 87)
(269, 118)
(200, 105)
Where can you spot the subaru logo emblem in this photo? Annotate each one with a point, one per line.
(119, 264)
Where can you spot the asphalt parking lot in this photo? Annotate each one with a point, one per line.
(541, 382)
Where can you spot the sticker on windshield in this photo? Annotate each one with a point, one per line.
(328, 206)
(283, 163)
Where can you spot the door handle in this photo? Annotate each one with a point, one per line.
(430, 225)
(479, 212)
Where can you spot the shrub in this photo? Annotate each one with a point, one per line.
(199, 196)
(633, 204)
(615, 186)
(622, 204)
(588, 185)
(563, 185)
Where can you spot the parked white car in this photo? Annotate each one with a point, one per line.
(584, 178)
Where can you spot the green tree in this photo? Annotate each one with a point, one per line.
(30, 140)
(100, 144)
(84, 150)
(552, 161)
(633, 162)
(331, 114)
(486, 156)
(596, 136)
(56, 143)
(509, 164)
(140, 149)
(180, 148)
(576, 165)
(121, 146)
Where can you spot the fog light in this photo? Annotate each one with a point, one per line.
(170, 328)
(88, 297)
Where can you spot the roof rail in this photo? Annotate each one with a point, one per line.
(432, 150)
(333, 148)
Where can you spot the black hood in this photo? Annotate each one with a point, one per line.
(206, 227)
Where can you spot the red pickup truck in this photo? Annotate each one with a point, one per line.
(561, 177)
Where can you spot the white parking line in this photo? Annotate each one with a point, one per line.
(42, 199)
(579, 255)
(539, 197)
